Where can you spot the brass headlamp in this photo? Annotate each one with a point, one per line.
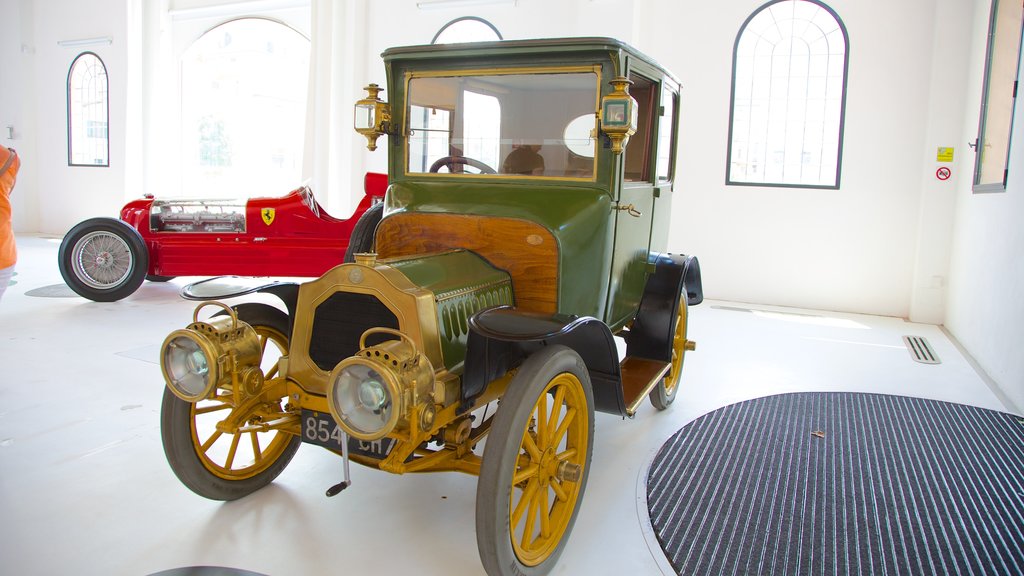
(379, 388)
(197, 359)
(619, 114)
(372, 116)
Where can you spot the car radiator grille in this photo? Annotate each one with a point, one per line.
(339, 322)
(454, 310)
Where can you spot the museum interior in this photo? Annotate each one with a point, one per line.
(849, 174)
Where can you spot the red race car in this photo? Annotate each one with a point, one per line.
(106, 259)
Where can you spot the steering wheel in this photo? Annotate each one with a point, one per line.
(452, 161)
(310, 201)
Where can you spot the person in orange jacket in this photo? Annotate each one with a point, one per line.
(9, 165)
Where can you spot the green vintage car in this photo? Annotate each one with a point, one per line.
(525, 226)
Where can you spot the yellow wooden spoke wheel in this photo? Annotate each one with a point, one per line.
(224, 461)
(536, 463)
(665, 392)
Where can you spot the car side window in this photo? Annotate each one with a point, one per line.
(666, 135)
(638, 153)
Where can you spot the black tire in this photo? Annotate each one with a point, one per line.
(361, 239)
(155, 278)
(183, 439)
(664, 394)
(103, 259)
(507, 453)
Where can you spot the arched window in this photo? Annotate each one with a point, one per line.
(788, 97)
(466, 29)
(243, 106)
(88, 111)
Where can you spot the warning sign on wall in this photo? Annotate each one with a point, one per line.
(945, 154)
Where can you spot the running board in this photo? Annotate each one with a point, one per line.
(639, 377)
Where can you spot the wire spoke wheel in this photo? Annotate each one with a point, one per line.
(536, 464)
(103, 259)
(215, 448)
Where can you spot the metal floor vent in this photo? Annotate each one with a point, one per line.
(920, 350)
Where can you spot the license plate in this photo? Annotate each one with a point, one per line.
(320, 428)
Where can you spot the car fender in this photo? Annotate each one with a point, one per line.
(502, 337)
(650, 335)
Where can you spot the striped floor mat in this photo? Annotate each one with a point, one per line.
(842, 484)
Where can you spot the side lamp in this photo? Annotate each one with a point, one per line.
(372, 116)
(619, 114)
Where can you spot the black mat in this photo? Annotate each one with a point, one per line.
(842, 483)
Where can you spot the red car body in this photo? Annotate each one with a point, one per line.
(295, 241)
(291, 235)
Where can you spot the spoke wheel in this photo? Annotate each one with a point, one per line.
(536, 463)
(226, 463)
(665, 392)
(103, 259)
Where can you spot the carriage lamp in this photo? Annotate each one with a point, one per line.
(619, 114)
(198, 358)
(371, 393)
(372, 116)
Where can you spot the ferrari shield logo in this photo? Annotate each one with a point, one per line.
(268, 216)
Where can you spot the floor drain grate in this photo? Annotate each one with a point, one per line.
(920, 350)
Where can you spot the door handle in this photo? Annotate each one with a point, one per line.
(630, 209)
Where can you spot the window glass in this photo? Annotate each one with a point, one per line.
(500, 123)
(579, 135)
(431, 132)
(243, 106)
(467, 29)
(1004, 49)
(483, 127)
(788, 95)
(88, 110)
(666, 131)
(638, 151)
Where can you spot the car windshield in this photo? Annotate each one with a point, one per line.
(511, 124)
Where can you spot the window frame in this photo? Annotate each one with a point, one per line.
(183, 146)
(106, 105)
(671, 90)
(842, 104)
(984, 119)
(405, 120)
(464, 19)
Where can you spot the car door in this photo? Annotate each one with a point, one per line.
(644, 197)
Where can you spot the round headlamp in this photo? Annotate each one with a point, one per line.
(364, 398)
(189, 364)
(197, 359)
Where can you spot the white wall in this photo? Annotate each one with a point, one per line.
(852, 249)
(69, 194)
(985, 309)
(17, 106)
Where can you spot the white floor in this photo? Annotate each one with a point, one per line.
(85, 488)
